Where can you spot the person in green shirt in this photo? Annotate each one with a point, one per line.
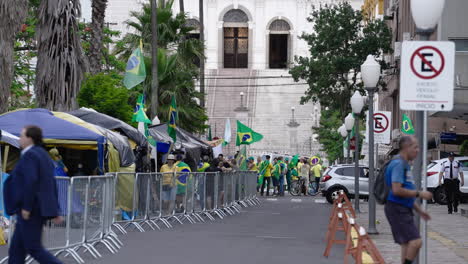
(276, 173)
(265, 172)
(317, 172)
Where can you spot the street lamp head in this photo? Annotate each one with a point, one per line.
(426, 13)
(370, 71)
(241, 93)
(293, 108)
(349, 122)
(342, 131)
(357, 102)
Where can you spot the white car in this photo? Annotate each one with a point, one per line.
(433, 170)
(340, 177)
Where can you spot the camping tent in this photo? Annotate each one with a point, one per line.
(120, 152)
(105, 121)
(8, 138)
(193, 146)
(56, 131)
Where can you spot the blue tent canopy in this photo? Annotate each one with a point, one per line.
(9, 139)
(52, 127)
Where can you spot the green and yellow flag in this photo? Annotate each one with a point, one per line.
(407, 125)
(242, 159)
(139, 115)
(171, 126)
(245, 135)
(135, 73)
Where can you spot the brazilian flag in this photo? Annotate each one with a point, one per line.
(407, 125)
(245, 135)
(182, 178)
(139, 115)
(171, 126)
(135, 73)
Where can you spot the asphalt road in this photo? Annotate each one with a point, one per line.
(277, 231)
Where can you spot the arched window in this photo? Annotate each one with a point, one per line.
(279, 44)
(236, 16)
(280, 25)
(236, 39)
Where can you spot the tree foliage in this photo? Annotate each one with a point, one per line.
(329, 138)
(177, 54)
(105, 93)
(339, 45)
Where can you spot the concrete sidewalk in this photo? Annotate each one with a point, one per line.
(447, 236)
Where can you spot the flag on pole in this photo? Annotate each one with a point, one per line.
(171, 126)
(246, 136)
(294, 161)
(242, 159)
(139, 115)
(227, 132)
(135, 73)
(407, 125)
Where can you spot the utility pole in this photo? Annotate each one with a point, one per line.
(202, 60)
(154, 59)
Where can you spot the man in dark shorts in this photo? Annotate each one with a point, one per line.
(401, 200)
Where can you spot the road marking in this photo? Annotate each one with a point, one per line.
(320, 201)
(296, 200)
(275, 237)
(272, 199)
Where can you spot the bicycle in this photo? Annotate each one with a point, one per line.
(297, 187)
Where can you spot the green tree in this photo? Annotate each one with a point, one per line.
(464, 148)
(177, 71)
(105, 93)
(329, 138)
(339, 45)
(97, 35)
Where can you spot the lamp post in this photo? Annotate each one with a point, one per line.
(370, 71)
(349, 123)
(426, 14)
(356, 104)
(344, 134)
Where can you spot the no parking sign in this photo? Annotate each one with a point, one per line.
(427, 75)
(382, 127)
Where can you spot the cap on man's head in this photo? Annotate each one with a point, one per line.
(170, 157)
(451, 154)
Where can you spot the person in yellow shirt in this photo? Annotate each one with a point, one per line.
(265, 171)
(251, 165)
(317, 172)
(169, 189)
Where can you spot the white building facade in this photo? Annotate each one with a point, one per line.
(250, 47)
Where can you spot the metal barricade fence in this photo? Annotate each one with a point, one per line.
(85, 205)
(92, 205)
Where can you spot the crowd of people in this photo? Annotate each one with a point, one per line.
(282, 171)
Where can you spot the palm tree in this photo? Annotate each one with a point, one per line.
(11, 19)
(181, 6)
(97, 27)
(176, 56)
(60, 64)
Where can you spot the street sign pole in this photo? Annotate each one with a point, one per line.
(421, 122)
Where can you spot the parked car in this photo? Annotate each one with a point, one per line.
(341, 177)
(433, 170)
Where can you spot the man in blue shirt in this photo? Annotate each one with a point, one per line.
(401, 200)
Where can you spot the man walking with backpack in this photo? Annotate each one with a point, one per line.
(401, 200)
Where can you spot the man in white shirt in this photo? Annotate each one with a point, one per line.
(451, 171)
